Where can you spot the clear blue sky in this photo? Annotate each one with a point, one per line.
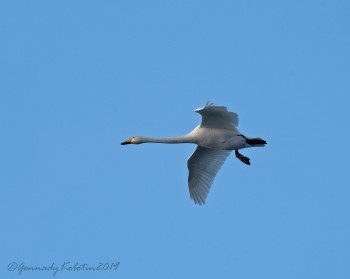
(79, 77)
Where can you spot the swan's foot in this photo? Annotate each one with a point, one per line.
(242, 158)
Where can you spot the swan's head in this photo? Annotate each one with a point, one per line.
(134, 140)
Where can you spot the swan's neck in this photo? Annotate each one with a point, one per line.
(181, 139)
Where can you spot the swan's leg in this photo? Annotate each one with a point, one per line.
(242, 158)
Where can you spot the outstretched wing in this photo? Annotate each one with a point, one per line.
(203, 165)
(218, 117)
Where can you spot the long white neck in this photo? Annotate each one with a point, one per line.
(181, 139)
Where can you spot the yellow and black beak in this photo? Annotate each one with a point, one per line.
(126, 142)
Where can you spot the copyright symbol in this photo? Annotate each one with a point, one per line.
(12, 266)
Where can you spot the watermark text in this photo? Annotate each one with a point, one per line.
(54, 268)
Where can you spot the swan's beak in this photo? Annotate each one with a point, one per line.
(126, 142)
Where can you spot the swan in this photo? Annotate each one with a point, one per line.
(215, 137)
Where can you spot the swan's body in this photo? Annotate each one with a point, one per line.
(216, 137)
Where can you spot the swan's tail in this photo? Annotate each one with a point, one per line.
(255, 142)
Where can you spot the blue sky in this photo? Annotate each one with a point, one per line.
(79, 77)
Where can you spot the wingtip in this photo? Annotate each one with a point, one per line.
(208, 104)
(198, 201)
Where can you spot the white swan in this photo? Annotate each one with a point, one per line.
(216, 137)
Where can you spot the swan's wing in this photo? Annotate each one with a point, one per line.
(203, 166)
(218, 117)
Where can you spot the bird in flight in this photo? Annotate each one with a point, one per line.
(216, 137)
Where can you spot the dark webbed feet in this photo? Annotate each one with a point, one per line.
(242, 158)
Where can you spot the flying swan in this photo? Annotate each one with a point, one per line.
(216, 137)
